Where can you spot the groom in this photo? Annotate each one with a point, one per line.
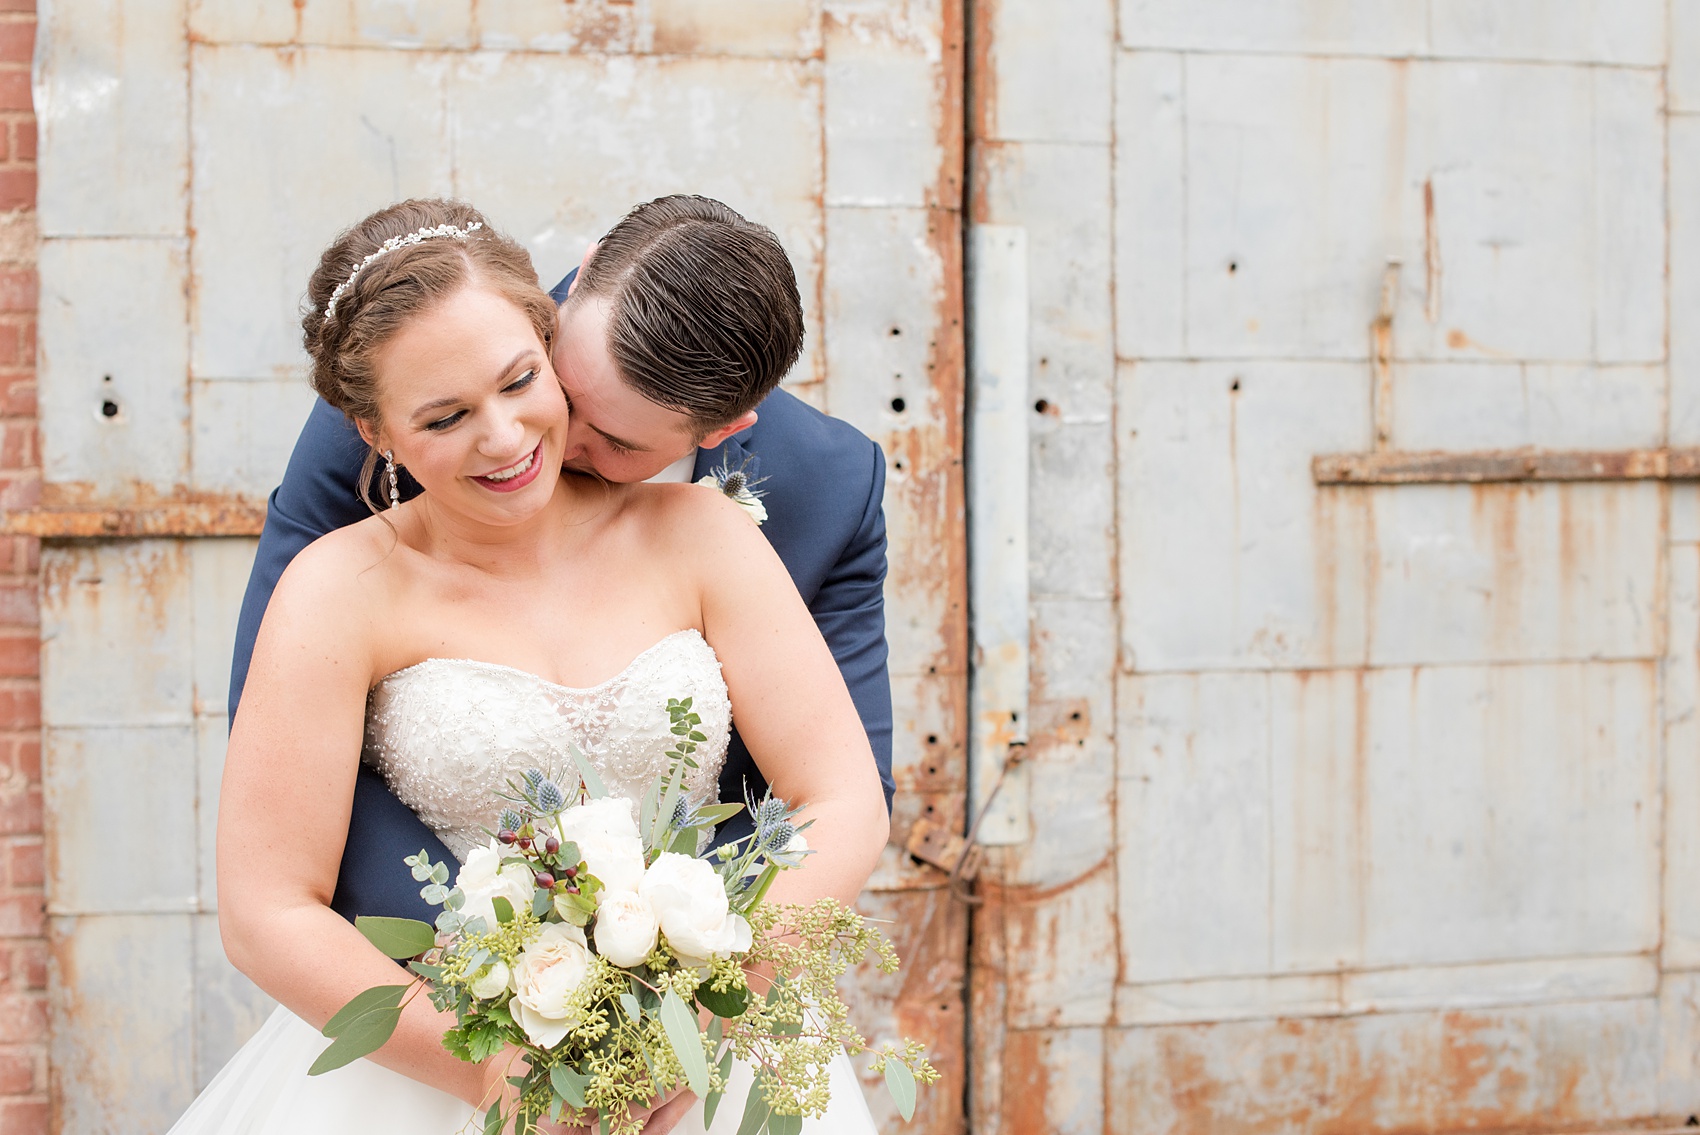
(672, 337)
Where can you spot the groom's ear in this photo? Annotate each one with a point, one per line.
(736, 425)
(583, 263)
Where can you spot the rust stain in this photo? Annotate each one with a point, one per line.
(982, 75)
(1028, 1088)
(1381, 354)
(72, 516)
(1505, 465)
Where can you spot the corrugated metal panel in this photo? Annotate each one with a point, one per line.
(1360, 822)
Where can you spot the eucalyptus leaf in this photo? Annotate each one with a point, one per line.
(729, 1004)
(670, 798)
(719, 813)
(493, 1119)
(756, 1110)
(568, 1084)
(541, 902)
(685, 842)
(592, 782)
(440, 873)
(362, 1036)
(379, 997)
(681, 1026)
(785, 1125)
(900, 1082)
(434, 893)
(503, 908)
(634, 1011)
(397, 937)
(423, 969)
(712, 1102)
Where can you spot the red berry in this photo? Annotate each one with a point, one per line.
(506, 836)
(545, 880)
(572, 872)
(551, 845)
(524, 843)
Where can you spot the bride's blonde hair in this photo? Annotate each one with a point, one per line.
(373, 279)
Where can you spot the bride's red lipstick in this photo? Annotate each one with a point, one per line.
(514, 484)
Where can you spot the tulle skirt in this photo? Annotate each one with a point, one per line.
(265, 1090)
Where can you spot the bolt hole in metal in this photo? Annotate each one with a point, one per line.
(1234, 386)
(1233, 266)
(108, 407)
(1041, 406)
(898, 405)
(897, 330)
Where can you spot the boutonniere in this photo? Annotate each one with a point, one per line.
(740, 486)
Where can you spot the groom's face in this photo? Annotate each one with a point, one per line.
(614, 431)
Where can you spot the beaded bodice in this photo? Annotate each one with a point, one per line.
(450, 733)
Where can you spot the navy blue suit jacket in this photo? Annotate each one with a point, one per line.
(823, 488)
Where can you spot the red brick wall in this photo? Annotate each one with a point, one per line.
(23, 949)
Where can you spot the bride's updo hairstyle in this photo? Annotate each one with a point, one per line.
(364, 291)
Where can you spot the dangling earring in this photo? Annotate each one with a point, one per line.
(395, 485)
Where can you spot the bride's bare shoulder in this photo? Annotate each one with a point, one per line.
(343, 565)
(700, 517)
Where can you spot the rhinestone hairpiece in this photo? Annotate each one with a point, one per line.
(416, 237)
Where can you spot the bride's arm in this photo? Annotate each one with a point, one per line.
(284, 809)
(790, 704)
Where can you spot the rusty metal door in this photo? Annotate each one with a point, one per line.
(195, 157)
(1360, 683)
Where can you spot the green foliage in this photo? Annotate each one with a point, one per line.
(359, 1036)
(378, 997)
(397, 937)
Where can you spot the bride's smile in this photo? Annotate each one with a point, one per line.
(470, 407)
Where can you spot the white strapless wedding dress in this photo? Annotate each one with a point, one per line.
(448, 734)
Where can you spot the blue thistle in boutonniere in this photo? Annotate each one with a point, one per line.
(740, 486)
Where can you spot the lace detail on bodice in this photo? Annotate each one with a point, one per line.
(448, 734)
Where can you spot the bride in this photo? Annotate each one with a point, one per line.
(472, 632)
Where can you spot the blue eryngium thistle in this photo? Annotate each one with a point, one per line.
(778, 836)
(511, 820)
(684, 812)
(769, 812)
(549, 797)
(533, 778)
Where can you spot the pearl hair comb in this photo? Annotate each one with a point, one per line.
(418, 236)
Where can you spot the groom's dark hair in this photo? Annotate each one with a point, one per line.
(705, 317)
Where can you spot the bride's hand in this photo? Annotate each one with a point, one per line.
(667, 1113)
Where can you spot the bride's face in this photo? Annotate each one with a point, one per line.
(471, 408)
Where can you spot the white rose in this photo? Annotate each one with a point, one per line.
(608, 840)
(690, 903)
(626, 927)
(491, 982)
(483, 877)
(545, 979)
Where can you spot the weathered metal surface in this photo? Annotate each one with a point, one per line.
(836, 123)
(187, 519)
(1384, 829)
(997, 532)
(1578, 30)
(1454, 468)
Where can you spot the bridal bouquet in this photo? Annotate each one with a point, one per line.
(593, 936)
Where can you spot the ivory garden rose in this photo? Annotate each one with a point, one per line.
(483, 878)
(545, 981)
(608, 841)
(626, 928)
(689, 900)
